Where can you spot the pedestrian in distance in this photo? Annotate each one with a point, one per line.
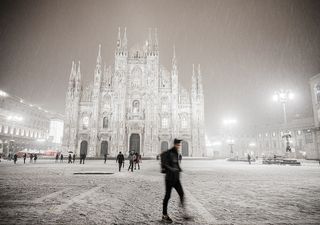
(180, 158)
(31, 157)
(74, 158)
(170, 166)
(120, 160)
(81, 158)
(131, 161)
(35, 158)
(57, 157)
(249, 158)
(137, 160)
(69, 158)
(15, 158)
(105, 158)
(24, 158)
(61, 158)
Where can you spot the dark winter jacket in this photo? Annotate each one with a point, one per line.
(120, 158)
(171, 165)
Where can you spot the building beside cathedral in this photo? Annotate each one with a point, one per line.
(135, 104)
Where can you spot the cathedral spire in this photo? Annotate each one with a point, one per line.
(199, 81)
(78, 79)
(104, 79)
(119, 38)
(125, 40)
(194, 83)
(174, 60)
(155, 39)
(72, 71)
(149, 40)
(99, 55)
(78, 72)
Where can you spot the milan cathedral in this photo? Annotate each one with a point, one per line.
(134, 105)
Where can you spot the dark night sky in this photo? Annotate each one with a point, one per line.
(247, 49)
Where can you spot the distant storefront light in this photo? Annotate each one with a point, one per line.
(56, 130)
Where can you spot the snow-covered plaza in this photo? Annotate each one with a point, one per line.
(217, 192)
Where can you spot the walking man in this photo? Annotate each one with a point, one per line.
(170, 166)
(15, 158)
(137, 161)
(120, 160)
(131, 160)
(82, 158)
(57, 157)
(35, 158)
(249, 158)
(31, 157)
(69, 158)
(24, 158)
(105, 158)
(61, 158)
(74, 158)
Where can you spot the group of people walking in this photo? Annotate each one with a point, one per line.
(33, 158)
(134, 160)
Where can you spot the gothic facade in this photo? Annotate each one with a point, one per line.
(135, 104)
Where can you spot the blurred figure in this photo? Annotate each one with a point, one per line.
(82, 158)
(180, 158)
(105, 158)
(31, 157)
(24, 158)
(74, 158)
(170, 166)
(57, 157)
(137, 160)
(61, 158)
(35, 158)
(249, 158)
(69, 158)
(15, 158)
(120, 160)
(131, 158)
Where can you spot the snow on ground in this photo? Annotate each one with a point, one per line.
(217, 192)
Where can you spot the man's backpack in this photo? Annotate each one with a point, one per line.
(163, 161)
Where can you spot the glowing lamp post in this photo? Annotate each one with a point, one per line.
(283, 97)
(229, 123)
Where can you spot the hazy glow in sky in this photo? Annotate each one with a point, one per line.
(247, 49)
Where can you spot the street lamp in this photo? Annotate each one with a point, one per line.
(3, 94)
(229, 123)
(283, 97)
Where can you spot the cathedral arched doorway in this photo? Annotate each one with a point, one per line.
(83, 147)
(134, 143)
(104, 148)
(164, 146)
(185, 148)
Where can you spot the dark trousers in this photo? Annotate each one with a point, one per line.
(135, 166)
(131, 166)
(24, 161)
(120, 165)
(169, 185)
